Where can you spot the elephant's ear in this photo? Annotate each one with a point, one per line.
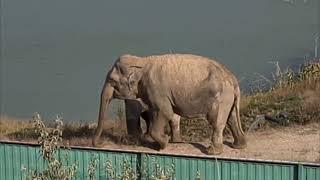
(132, 79)
(131, 67)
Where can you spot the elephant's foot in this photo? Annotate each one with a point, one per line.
(176, 139)
(239, 143)
(95, 143)
(163, 140)
(147, 138)
(215, 150)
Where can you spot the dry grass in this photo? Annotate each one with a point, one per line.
(296, 94)
(73, 133)
(9, 125)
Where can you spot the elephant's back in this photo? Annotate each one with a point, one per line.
(191, 83)
(186, 70)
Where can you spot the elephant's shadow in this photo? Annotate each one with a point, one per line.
(199, 146)
(125, 139)
(203, 148)
(122, 138)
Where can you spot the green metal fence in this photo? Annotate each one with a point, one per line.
(14, 157)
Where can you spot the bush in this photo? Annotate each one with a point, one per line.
(50, 140)
(296, 94)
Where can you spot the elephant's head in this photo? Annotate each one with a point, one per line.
(125, 75)
(121, 83)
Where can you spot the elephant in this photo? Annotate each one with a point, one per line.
(184, 84)
(134, 110)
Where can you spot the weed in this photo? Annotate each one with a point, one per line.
(128, 173)
(92, 167)
(50, 141)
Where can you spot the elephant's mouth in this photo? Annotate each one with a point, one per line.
(116, 94)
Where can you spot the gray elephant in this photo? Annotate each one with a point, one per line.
(183, 84)
(134, 110)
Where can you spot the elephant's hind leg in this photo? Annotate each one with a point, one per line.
(218, 118)
(175, 128)
(236, 130)
(157, 129)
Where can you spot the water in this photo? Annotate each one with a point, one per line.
(55, 54)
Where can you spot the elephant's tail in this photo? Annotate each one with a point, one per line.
(236, 106)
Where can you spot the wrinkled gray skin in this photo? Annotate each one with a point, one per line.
(134, 110)
(184, 84)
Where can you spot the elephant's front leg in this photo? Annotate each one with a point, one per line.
(157, 126)
(147, 135)
(175, 128)
(133, 110)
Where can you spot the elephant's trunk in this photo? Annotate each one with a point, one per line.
(106, 97)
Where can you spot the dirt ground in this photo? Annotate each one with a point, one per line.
(295, 143)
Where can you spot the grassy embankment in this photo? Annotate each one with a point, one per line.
(294, 98)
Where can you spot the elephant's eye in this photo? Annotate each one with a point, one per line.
(131, 79)
(112, 82)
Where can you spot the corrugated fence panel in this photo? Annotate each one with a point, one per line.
(198, 168)
(14, 158)
(2, 162)
(309, 173)
(119, 162)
